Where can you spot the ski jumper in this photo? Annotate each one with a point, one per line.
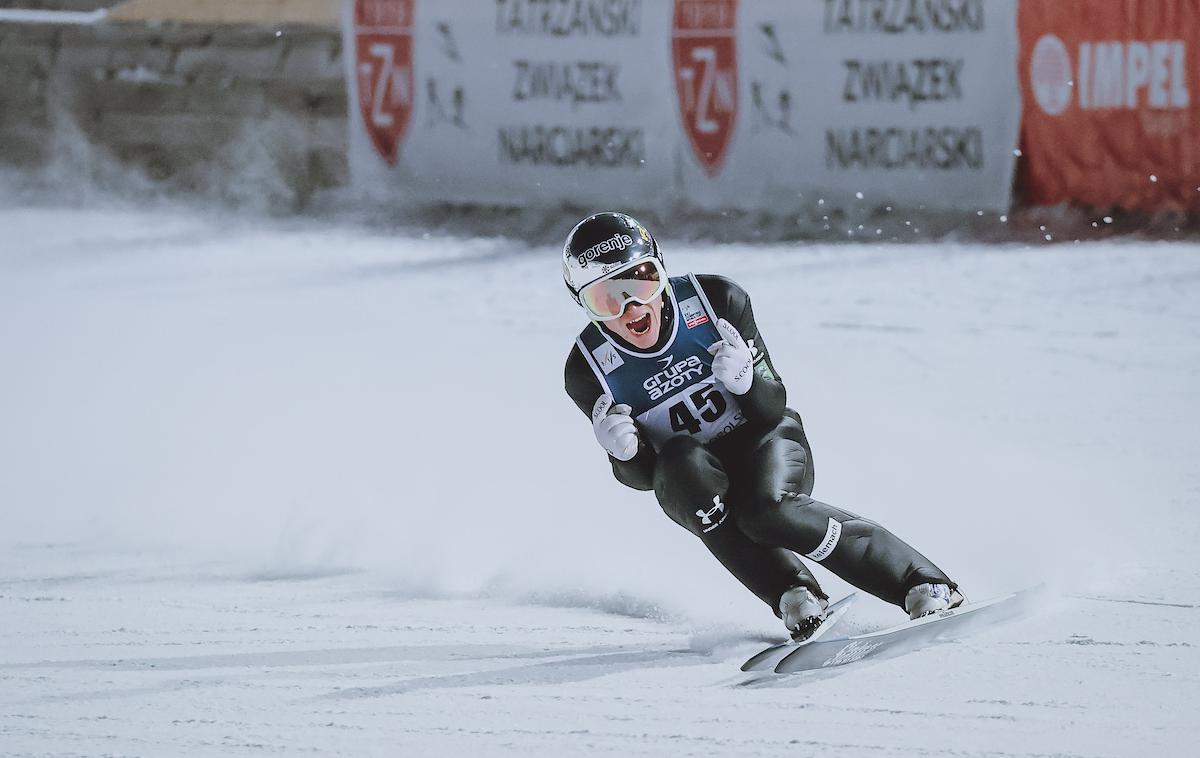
(734, 470)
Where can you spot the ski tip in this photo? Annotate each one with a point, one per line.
(766, 659)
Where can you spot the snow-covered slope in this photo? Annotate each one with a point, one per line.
(285, 487)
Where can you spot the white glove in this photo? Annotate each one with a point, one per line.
(614, 428)
(733, 359)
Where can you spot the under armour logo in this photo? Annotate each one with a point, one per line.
(710, 519)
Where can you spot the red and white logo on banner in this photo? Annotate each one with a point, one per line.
(705, 56)
(383, 63)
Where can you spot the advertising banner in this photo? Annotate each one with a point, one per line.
(517, 102)
(905, 103)
(716, 104)
(1111, 116)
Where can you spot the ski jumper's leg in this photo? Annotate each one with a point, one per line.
(691, 487)
(772, 483)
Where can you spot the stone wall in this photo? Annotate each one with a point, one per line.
(190, 106)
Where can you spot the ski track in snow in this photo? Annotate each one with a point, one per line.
(256, 498)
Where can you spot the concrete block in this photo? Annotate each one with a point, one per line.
(185, 104)
(328, 168)
(44, 36)
(312, 58)
(242, 99)
(326, 98)
(23, 153)
(326, 134)
(248, 36)
(141, 58)
(156, 34)
(72, 35)
(131, 97)
(167, 131)
(217, 63)
(22, 75)
(17, 116)
(84, 56)
(25, 143)
(236, 99)
(162, 164)
(40, 56)
(201, 67)
(18, 98)
(115, 35)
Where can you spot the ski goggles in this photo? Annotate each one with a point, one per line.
(641, 281)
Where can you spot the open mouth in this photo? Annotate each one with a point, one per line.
(639, 326)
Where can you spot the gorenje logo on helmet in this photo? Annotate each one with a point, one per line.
(615, 242)
(674, 376)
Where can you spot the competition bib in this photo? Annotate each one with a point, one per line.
(671, 391)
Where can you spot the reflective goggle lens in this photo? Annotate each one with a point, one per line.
(607, 298)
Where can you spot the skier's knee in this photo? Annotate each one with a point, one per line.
(763, 518)
(690, 483)
(683, 458)
(757, 524)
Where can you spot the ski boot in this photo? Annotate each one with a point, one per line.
(802, 612)
(928, 598)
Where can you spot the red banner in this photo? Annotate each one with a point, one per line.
(383, 62)
(1111, 115)
(705, 56)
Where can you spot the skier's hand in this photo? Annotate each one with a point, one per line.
(615, 430)
(733, 359)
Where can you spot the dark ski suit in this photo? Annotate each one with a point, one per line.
(736, 471)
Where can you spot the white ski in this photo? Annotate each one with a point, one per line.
(768, 658)
(908, 636)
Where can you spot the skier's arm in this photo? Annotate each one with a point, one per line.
(765, 402)
(583, 388)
